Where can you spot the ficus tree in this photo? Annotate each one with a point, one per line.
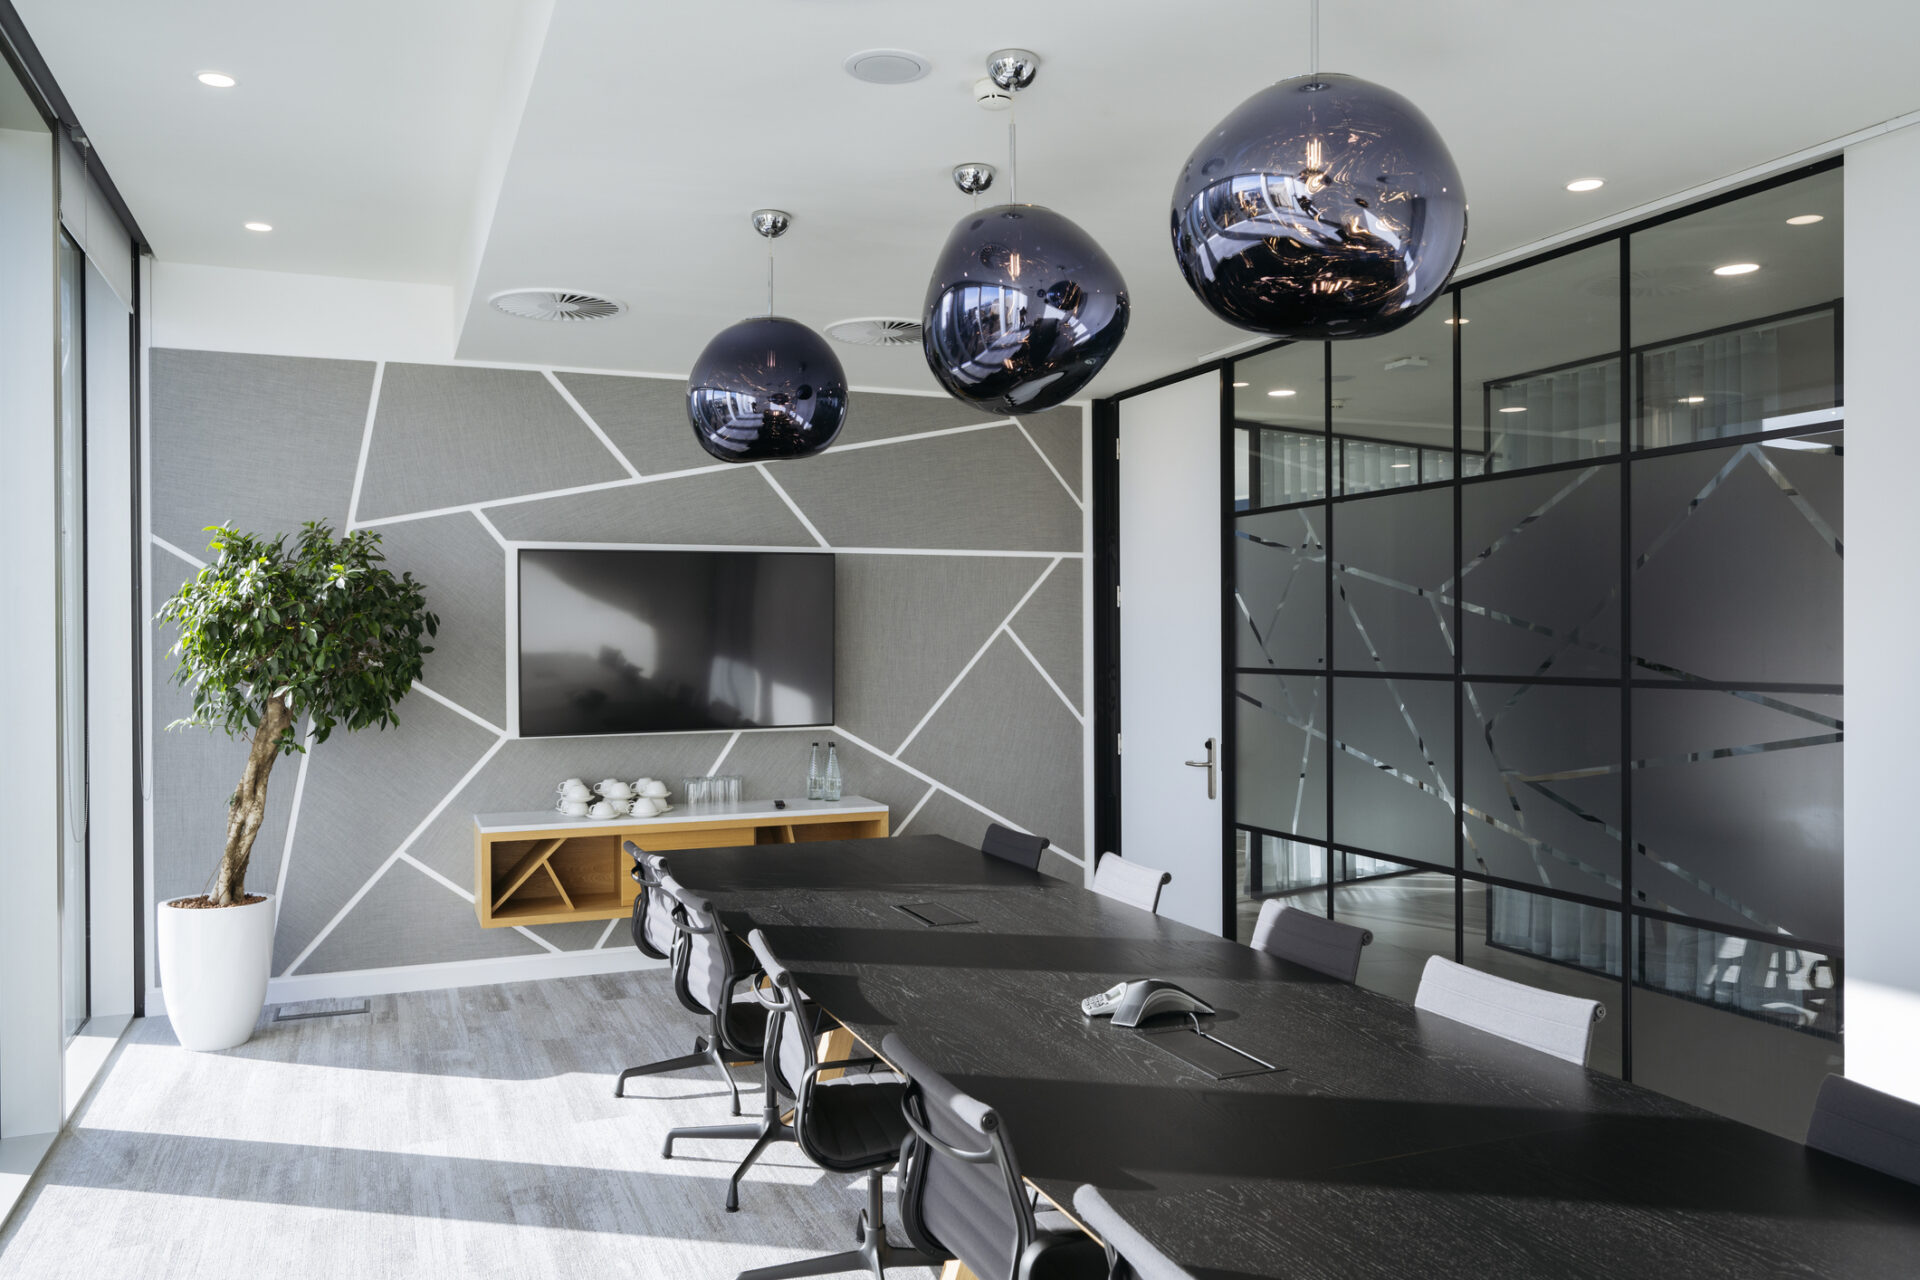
(271, 632)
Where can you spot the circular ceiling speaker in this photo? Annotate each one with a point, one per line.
(1324, 206)
(555, 304)
(876, 331)
(886, 66)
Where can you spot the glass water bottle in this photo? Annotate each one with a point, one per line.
(830, 782)
(815, 783)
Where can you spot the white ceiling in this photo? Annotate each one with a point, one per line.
(374, 135)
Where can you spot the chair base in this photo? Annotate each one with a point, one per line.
(704, 1053)
(875, 1253)
(769, 1130)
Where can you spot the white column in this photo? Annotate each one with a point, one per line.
(1882, 995)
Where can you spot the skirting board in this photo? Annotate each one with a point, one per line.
(437, 977)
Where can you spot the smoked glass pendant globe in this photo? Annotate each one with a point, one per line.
(1324, 206)
(766, 389)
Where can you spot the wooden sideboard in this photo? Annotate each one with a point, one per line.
(544, 867)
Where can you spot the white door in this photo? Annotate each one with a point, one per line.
(1170, 587)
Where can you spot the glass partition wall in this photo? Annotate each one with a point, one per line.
(1538, 660)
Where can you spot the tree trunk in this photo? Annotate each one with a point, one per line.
(249, 804)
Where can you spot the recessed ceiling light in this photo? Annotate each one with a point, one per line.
(1402, 466)
(1515, 408)
(1239, 384)
(1693, 399)
(259, 226)
(216, 80)
(1282, 391)
(886, 66)
(1736, 269)
(1806, 219)
(1586, 184)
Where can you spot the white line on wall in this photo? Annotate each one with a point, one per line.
(1064, 700)
(520, 928)
(543, 544)
(1071, 495)
(407, 857)
(915, 811)
(792, 506)
(980, 653)
(164, 545)
(921, 435)
(341, 914)
(293, 823)
(719, 759)
(451, 705)
(493, 530)
(592, 426)
(606, 933)
(366, 445)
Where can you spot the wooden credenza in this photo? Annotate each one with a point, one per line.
(544, 867)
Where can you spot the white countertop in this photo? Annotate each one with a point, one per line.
(744, 811)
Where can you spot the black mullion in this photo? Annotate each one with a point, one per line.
(1632, 410)
(1326, 534)
(1459, 664)
(1228, 741)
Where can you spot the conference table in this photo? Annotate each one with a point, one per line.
(1387, 1141)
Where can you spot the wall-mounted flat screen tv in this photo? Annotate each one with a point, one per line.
(672, 641)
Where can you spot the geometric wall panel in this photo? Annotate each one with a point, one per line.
(264, 441)
(408, 919)
(444, 436)
(905, 416)
(985, 490)
(735, 508)
(985, 738)
(942, 815)
(464, 569)
(646, 418)
(1059, 433)
(1049, 625)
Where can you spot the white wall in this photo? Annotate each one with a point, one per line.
(1882, 993)
(282, 314)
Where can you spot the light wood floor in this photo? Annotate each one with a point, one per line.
(457, 1133)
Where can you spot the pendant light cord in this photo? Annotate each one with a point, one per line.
(1013, 154)
(769, 275)
(1313, 37)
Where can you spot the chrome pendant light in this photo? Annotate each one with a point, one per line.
(1323, 207)
(1024, 307)
(769, 388)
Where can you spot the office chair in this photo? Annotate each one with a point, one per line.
(1127, 1250)
(710, 965)
(1013, 846)
(1323, 945)
(1129, 882)
(658, 937)
(852, 1124)
(960, 1190)
(1543, 1020)
(1867, 1127)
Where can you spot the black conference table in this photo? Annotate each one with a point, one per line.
(1391, 1142)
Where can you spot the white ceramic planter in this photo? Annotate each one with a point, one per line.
(214, 964)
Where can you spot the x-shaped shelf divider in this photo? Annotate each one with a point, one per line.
(535, 860)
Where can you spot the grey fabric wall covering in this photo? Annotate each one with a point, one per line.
(381, 856)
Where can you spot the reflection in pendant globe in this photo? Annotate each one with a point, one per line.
(765, 389)
(1022, 311)
(1323, 207)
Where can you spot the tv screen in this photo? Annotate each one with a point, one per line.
(669, 641)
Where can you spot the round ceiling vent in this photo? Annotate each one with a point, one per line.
(886, 66)
(555, 304)
(876, 331)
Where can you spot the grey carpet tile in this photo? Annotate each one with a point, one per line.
(645, 417)
(907, 625)
(1060, 434)
(985, 738)
(981, 490)
(364, 795)
(736, 507)
(448, 435)
(410, 918)
(445, 1134)
(1050, 624)
(266, 442)
(464, 571)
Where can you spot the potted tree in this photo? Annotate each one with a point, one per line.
(269, 633)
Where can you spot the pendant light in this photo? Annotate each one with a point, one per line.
(1324, 206)
(1024, 307)
(769, 388)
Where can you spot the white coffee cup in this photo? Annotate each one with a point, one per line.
(603, 809)
(574, 789)
(573, 808)
(644, 807)
(652, 790)
(615, 790)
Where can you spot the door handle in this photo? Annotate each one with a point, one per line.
(1213, 788)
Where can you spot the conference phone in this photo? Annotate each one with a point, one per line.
(1131, 1003)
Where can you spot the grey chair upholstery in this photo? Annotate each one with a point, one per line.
(1543, 1020)
(1868, 1127)
(657, 934)
(1013, 846)
(852, 1124)
(1323, 945)
(1125, 1246)
(1129, 882)
(961, 1195)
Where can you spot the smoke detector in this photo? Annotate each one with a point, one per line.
(1405, 362)
(990, 95)
(886, 66)
(555, 304)
(876, 331)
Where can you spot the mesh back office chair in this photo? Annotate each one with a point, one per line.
(710, 964)
(1543, 1020)
(853, 1124)
(1323, 945)
(1129, 882)
(658, 937)
(1867, 1127)
(1127, 1250)
(1013, 846)
(961, 1195)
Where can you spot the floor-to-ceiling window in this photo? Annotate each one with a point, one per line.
(1539, 653)
(72, 675)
